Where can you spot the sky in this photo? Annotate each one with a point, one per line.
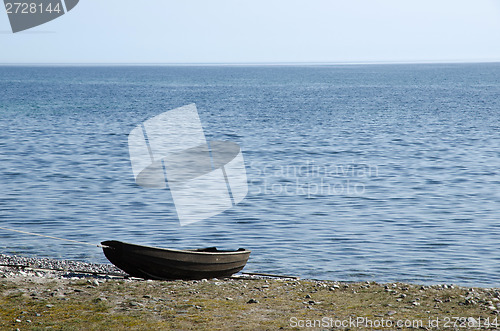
(261, 31)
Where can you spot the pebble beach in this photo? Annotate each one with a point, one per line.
(40, 294)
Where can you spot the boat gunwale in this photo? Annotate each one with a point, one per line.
(173, 250)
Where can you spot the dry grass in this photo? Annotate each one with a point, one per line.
(33, 303)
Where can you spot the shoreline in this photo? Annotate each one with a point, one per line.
(56, 267)
(69, 298)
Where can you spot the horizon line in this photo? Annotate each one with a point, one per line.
(245, 63)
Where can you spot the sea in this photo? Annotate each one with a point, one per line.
(361, 172)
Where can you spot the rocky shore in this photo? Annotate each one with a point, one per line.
(82, 296)
(12, 265)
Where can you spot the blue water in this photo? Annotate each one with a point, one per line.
(369, 172)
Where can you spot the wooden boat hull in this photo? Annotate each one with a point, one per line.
(160, 263)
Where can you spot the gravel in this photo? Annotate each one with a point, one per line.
(10, 265)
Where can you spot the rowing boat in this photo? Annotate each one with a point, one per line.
(161, 263)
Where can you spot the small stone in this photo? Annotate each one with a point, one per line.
(265, 286)
(252, 301)
(335, 286)
(308, 296)
(402, 295)
(415, 303)
(229, 299)
(492, 308)
(49, 306)
(146, 296)
(28, 321)
(134, 304)
(197, 307)
(391, 312)
(469, 302)
(18, 321)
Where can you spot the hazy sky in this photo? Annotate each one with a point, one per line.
(222, 31)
